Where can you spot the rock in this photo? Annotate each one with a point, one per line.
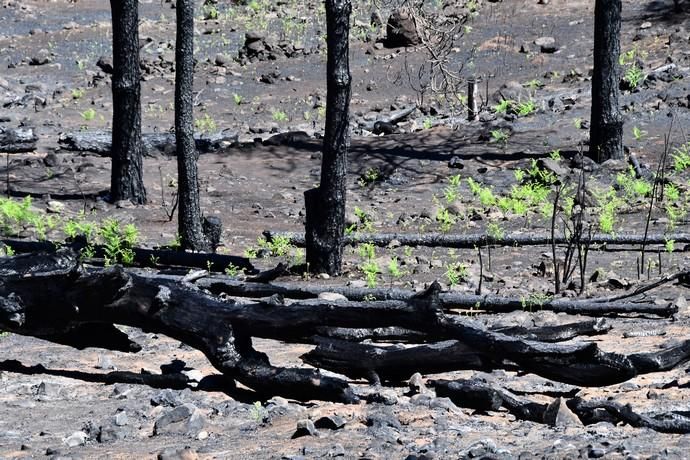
(332, 297)
(51, 160)
(167, 398)
(455, 163)
(337, 451)
(383, 419)
(49, 389)
(416, 384)
(305, 428)
(546, 44)
(559, 414)
(55, 207)
(105, 63)
(173, 453)
(104, 361)
(401, 30)
(184, 419)
(222, 60)
(41, 58)
(330, 422)
(110, 433)
(78, 438)
(121, 418)
(511, 91)
(386, 397)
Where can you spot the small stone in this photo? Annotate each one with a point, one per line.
(110, 433)
(332, 297)
(305, 428)
(222, 60)
(49, 389)
(105, 363)
(559, 414)
(184, 419)
(546, 44)
(172, 453)
(166, 398)
(330, 422)
(105, 64)
(416, 384)
(55, 207)
(337, 451)
(78, 438)
(121, 418)
(455, 163)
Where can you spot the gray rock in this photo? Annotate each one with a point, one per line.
(174, 453)
(332, 297)
(330, 422)
(111, 433)
(184, 419)
(559, 414)
(416, 384)
(546, 44)
(78, 438)
(49, 389)
(167, 398)
(401, 29)
(121, 418)
(305, 428)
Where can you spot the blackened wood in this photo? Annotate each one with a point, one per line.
(379, 334)
(606, 128)
(449, 300)
(394, 363)
(127, 176)
(325, 205)
(189, 213)
(144, 256)
(100, 142)
(480, 395)
(17, 140)
(558, 333)
(470, 241)
(590, 412)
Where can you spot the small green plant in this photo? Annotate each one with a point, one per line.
(205, 124)
(445, 219)
(638, 134)
(555, 155)
(610, 203)
(577, 122)
(485, 194)
(533, 84)
(176, 243)
(394, 268)
(427, 123)
(504, 106)
(279, 116)
(681, 157)
(370, 176)
(258, 412)
(633, 187)
(633, 76)
(500, 136)
(118, 242)
(494, 230)
(365, 222)
(456, 272)
(526, 108)
(536, 299)
(232, 270)
(77, 93)
(670, 246)
(6, 250)
(88, 114)
(278, 246)
(370, 267)
(237, 98)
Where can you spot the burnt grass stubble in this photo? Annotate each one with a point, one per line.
(55, 401)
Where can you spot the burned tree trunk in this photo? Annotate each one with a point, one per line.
(189, 215)
(325, 205)
(126, 180)
(606, 129)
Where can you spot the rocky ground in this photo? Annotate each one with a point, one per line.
(58, 402)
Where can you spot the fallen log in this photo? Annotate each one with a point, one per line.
(469, 241)
(144, 257)
(47, 294)
(100, 142)
(554, 333)
(449, 300)
(17, 140)
(591, 412)
(479, 395)
(394, 363)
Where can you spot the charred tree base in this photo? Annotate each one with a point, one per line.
(324, 244)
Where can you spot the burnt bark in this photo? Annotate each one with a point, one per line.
(470, 241)
(17, 140)
(126, 180)
(606, 128)
(189, 213)
(325, 205)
